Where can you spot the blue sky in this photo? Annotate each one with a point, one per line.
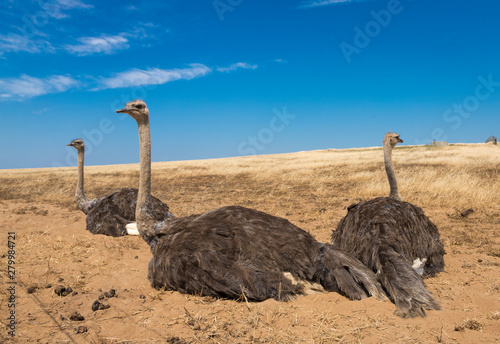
(236, 77)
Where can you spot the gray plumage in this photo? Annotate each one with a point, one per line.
(235, 252)
(388, 235)
(110, 214)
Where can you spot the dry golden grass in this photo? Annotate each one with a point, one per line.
(460, 176)
(312, 190)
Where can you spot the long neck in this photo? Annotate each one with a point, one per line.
(81, 201)
(145, 221)
(391, 175)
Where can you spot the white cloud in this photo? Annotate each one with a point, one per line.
(153, 76)
(41, 111)
(14, 42)
(55, 8)
(109, 44)
(236, 66)
(27, 86)
(317, 3)
(280, 61)
(103, 44)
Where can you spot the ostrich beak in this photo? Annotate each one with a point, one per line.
(399, 140)
(69, 144)
(124, 110)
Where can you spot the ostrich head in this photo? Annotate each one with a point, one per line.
(392, 139)
(77, 143)
(136, 109)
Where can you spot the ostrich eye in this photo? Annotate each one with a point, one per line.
(139, 106)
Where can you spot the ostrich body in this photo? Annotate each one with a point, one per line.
(235, 252)
(396, 240)
(114, 214)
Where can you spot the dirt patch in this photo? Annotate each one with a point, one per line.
(56, 251)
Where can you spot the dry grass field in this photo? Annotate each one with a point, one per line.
(311, 189)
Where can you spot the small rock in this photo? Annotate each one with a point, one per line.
(76, 317)
(81, 329)
(136, 257)
(479, 260)
(59, 290)
(48, 286)
(95, 305)
(99, 306)
(467, 212)
(142, 296)
(74, 293)
(63, 317)
(103, 306)
(31, 289)
(110, 294)
(101, 297)
(196, 327)
(60, 279)
(175, 340)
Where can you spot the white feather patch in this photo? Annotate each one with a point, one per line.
(418, 265)
(309, 287)
(132, 228)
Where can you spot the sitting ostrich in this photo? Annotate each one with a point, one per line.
(114, 214)
(235, 252)
(396, 240)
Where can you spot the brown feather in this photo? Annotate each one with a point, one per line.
(387, 235)
(232, 250)
(110, 214)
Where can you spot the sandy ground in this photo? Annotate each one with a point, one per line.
(52, 248)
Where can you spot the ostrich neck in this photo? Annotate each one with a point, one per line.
(80, 199)
(143, 208)
(391, 175)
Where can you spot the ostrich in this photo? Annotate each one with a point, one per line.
(396, 240)
(235, 252)
(112, 215)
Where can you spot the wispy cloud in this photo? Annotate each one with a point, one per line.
(41, 111)
(317, 3)
(14, 43)
(236, 66)
(153, 76)
(27, 86)
(56, 8)
(103, 44)
(109, 44)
